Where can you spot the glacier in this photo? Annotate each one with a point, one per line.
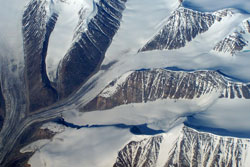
(216, 61)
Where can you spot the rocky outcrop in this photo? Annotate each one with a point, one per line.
(236, 41)
(231, 44)
(87, 53)
(2, 108)
(150, 85)
(189, 148)
(236, 90)
(247, 25)
(182, 26)
(81, 61)
(36, 33)
(195, 148)
(139, 153)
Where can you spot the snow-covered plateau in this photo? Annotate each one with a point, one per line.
(125, 83)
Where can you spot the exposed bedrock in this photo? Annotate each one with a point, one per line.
(142, 153)
(235, 41)
(36, 33)
(150, 85)
(87, 53)
(188, 148)
(82, 59)
(182, 26)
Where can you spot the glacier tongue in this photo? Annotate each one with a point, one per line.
(84, 30)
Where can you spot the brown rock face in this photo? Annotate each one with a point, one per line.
(190, 149)
(150, 85)
(143, 86)
(142, 153)
(83, 58)
(36, 34)
(194, 148)
(182, 27)
(231, 44)
(87, 53)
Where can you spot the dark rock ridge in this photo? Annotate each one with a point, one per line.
(82, 59)
(236, 90)
(182, 26)
(139, 153)
(247, 25)
(185, 148)
(195, 148)
(235, 41)
(150, 85)
(36, 33)
(231, 44)
(87, 53)
(2, 108)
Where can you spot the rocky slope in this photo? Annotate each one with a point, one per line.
(182, 26)
(83, 58)
(195, 148)
(150, 85)
(236, 90)
(86, 54)
(140, 154)
(188, 148)
(235, 41)
(37, 28)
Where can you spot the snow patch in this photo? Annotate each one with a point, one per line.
(54, 127)
(35, 146)
(112, 89)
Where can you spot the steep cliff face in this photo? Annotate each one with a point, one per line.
(86, 54)
(140, 154)
(236, 41)
(90, 42)
(150, 85)
(195, 148)
(2, 108)
(231, 44)
(247, 25)
(189, 148)
(37, 27)
(236, 90)
(182, 26)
